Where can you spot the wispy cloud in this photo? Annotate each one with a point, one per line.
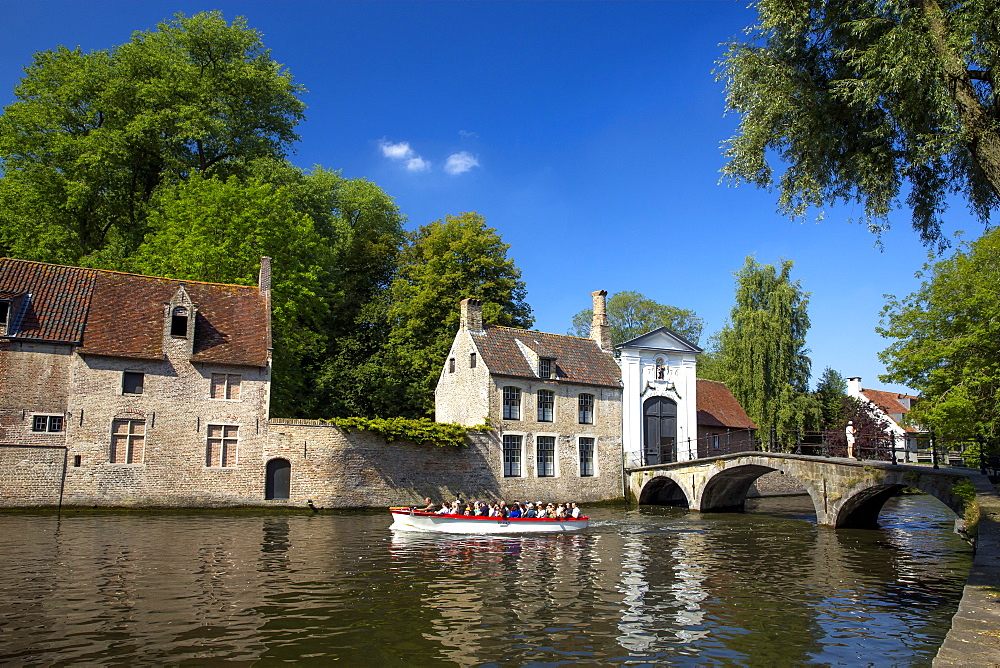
(461, 162)
(466, 133)
(418, 164)
(399, 151)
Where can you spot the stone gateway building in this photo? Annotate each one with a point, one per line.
(121, 390)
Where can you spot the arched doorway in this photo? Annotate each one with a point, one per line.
(278, 480)
(659, 430)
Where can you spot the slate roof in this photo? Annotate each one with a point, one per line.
(888, 403)
(578, 360)
(121, 315)
(717, 407)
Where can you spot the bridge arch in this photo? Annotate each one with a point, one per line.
(664, 490)
(861, 506)
(726, 489)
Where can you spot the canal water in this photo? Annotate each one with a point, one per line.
(649, 586)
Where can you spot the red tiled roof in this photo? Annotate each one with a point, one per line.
(121, 315)
(577, 360)
(888, 403)
(717, 407)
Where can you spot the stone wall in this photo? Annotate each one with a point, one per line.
(30, 475)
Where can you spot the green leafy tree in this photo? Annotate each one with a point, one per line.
(761, 353)
(866, 100)
(441, 264)
(210, 229)
(946, 342)
(830, 391)
(631, 314)
(871, 430)
(92, 137)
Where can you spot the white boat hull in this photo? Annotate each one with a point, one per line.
(404, 519)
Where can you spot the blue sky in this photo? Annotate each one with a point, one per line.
(588, 134)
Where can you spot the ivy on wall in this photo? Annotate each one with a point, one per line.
(422, 431)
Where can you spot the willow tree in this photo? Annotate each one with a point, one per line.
(761, 351)
(868, 101)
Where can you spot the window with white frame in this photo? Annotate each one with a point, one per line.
(586, 457)
(586, 408)
(715, 441)
(512, 455)
(546, 404)
(511, 403)
(545, 367)
(128, 441)
(48, 423)
(545, 451)
(221, 445)
(226, 385)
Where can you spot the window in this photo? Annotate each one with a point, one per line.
(451, 365)
(179, 321)
(472, 360)
(546, 452)
(511, 403)
(715, 441)
(226, 385)
(586, 404)
(221, 447)
(47, 423)
(4, 311)
(661, 370)
(511, 456)
(132, 382)
(128, 441)
(545, 367)
(546, 400)
(586, 457)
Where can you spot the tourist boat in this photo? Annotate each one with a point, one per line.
(408, 519)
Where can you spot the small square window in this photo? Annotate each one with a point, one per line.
(226, 386)
(132, 382)
(50, 423)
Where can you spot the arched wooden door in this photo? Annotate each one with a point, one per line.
(278, 480)
(659, 430)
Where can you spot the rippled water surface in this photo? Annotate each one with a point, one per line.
(656, 586)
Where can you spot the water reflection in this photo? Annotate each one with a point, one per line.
(655, 585)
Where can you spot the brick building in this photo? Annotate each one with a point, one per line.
(723, 425)
(151, 391)
(554, 402)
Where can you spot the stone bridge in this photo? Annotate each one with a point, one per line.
(845, 492)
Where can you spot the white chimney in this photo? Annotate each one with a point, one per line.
(854, 387)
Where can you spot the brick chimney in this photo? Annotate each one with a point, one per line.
(472, 315)
(264, 278)
(600, 331)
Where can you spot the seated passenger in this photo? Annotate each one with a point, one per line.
(529, 510)
(574, 511)
(515, 510)
(428, 506)
(560, 512)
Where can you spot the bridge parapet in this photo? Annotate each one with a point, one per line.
(844, 492)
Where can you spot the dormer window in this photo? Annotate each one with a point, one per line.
(4, 313)
(179, 321)
(545, 367)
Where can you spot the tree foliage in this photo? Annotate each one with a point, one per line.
(946, 342)
(871, 429)
(92, 137)
(831, 388)
(631, 314)
(441, 264)
(760, 353)
(868, 100)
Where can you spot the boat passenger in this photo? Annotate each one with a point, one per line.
(445, 509)
(574, 511)
(468, 510)
(529, 510)
(515, 510)
(560, 512)
(502, 509)
(428, 506)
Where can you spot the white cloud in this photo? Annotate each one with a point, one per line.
(418, 164)
(466, 133)
(400, 151)
(461, 162)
